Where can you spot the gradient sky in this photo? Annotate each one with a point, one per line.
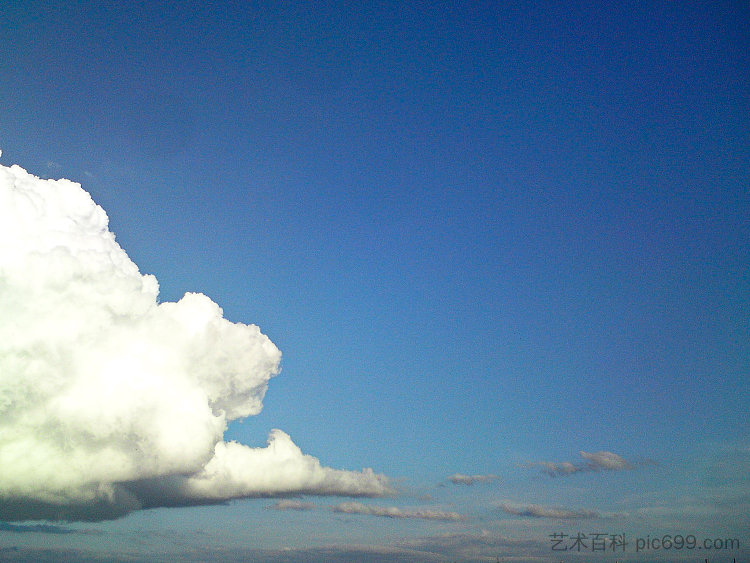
(484, 236)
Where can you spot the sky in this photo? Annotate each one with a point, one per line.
(394, 282)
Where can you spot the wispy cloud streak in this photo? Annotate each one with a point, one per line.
(538, 511)
(292, 504)
(460, 479)
(597, 461)
(394, 512)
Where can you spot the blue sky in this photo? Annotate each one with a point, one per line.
(483, 235)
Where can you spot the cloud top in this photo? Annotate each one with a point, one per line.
(111, 401)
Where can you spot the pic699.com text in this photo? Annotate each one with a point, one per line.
(618, 542)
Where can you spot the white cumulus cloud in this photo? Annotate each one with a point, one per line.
(111, 401)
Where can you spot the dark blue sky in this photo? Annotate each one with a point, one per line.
(482, 234)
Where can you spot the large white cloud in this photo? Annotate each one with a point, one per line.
(111, 401)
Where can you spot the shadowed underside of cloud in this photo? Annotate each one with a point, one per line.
(111, 401)
(460, 479)
(537, 511)
(395, 512)
(597, 461)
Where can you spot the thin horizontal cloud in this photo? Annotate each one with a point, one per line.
(37, 529)
(460, 479)
(483, 545)
(596, 461)
(538, 511)
(59, 555)
(395, 512)
(292, 504)
(606, 460)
